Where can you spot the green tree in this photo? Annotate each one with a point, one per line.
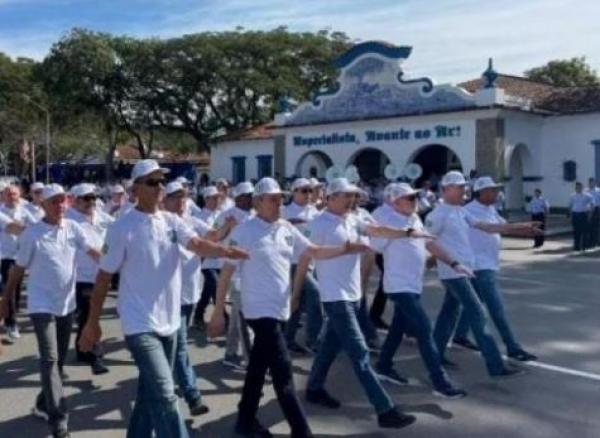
(574, 72)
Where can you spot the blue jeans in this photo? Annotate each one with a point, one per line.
(410, 315)
(365, 322)
(311, 304)
(342, 331)
(185, 376)
(460, 292)
(486, 286)
(156, 403)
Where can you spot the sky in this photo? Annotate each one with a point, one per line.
(451, 39)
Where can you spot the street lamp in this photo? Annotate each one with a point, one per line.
(47, 112)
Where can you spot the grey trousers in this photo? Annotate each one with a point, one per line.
(53, 335)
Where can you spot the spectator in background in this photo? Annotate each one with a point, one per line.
(539, 208)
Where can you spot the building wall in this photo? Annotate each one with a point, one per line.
(222, 154)
(567, 138)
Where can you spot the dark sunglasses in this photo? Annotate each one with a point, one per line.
(89, 198)
(154, 182)
(305, 190)
(411, 197)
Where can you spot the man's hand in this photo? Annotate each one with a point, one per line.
(216, 325)
(235, 253)
(90, 336)
(230, 222)
(462, 269)
(355, 247)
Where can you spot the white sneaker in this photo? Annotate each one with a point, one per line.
(13, 333)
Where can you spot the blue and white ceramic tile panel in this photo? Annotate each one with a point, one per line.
(371, 85)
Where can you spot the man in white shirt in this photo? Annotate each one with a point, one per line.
(340, 288)
(405, 261)
(35, 206)
(450, 224)
(47, 249)
(486, 250)
(143, 245)
(15, 208)
(223, 187)
(190, 204)
(538, 208)
(116, 201)
(300, 213)
(580, 206)
(94, 224)
(191, 279)
(210, 266)
(237, 333)
(594, 233)
(265, 291)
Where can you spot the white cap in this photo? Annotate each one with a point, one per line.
(454, 178)
(222, 181)
(401, 190)
(210, 191)
(485, 182)
(182, 180)
(341, 185)
(36, 186)
(145, 167)
(243, 188)
(267, 186)
(387, 190)
(174, 186)
(83, 189)
(117, 188)
(52, 190)
(301, 182)
(315, 182)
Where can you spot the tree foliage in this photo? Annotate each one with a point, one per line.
(574, 72)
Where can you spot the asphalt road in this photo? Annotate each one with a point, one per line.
(552, 298)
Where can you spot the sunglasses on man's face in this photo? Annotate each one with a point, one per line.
(305, 191)
(411, 198)
(89, 198)
(154, 182)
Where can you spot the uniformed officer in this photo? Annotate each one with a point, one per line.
(580, 207)
(539, 208)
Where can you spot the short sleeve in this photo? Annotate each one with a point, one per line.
(81, 239)
(434, 223)
(26, 246)
(301, 243)
(201, 227)
(184, 232)
(113, 251)
(499, 219)
(236, 238)
(315, 233)
(469, 217)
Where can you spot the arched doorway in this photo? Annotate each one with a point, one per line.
(435, 160)
(370, 163)
(519, 161)
(313, 164)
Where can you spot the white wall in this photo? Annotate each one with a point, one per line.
(221, 154)
(567, 138)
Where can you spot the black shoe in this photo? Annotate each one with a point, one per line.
(466, 343)
(321, 397)
(449, 392)
(508, 372)
(393, 419)
(298, 349)
(197, 408)
(61, 433)
(446, 363)
(80, 357)
(257, 430)
(522, 356)
(99, 368)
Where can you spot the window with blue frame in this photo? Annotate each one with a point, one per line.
(264, 166)
(238, 173)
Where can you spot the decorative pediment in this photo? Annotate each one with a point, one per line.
(372, 84)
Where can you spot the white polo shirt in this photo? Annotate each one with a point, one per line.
(403, 259)
(95, 232)
(307, 213)
(486, 246)
(9, 242)
(191, 264)
(450, 224)
(265, 276)
(144, 248)
(48, 253)
(339, 277)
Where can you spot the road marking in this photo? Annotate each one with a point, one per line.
(563, 370)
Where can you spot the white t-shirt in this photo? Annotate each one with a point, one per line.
(450, 224)
(403, 259)
(307, 213)
(240, 216)
(9, 242)
(379, 215)
(191, 265)
(95, 232)
(339, 277)
(48, 252)
(209, 217)
(265, 276)
(145, 249)
(192, 208)
(35, 210)
(486, 246)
